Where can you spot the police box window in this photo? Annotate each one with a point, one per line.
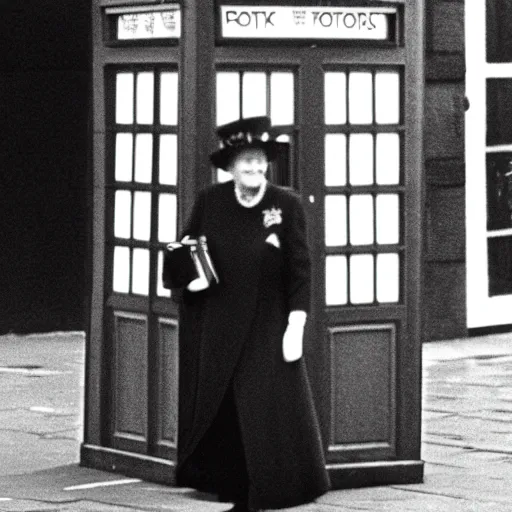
(151, 24)
(286, 22)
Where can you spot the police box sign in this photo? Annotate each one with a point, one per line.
(287, 22)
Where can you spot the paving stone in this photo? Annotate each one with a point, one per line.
(27, 506)
(467, 404)
(21, 451)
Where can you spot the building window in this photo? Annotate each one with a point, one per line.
(500, 265)
(498, 33)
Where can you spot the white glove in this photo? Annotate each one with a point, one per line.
(293, 336)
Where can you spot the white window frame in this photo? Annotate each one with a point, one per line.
(482, 310)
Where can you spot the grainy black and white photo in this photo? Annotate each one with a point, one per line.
(256, 256)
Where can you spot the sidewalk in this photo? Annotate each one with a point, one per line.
(467, 437)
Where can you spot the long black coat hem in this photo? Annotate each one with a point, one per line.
(300, 500)
(262, 504)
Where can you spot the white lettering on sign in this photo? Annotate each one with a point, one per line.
(287, 22)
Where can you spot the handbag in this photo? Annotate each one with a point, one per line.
(188, 264)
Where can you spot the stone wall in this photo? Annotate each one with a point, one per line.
(444, 301)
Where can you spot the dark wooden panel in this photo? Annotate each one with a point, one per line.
(130, 381)
(363, 383)
(445, 301)
(448, 27)
(134, 465)
(444, 120)
(445, 236)
(445, 67)
(451, 172)
(168, 382)
(364, 474)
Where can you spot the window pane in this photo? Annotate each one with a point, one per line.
(168, 162)
(335, 220)
(124, 98)
(335, 280)
(387, 97)
(499, 253)
(499, 190)
(360, 98)
(361, 279)
(124, 157)
(142, 216)
(169, 98)
(335, 159)
(167, 218)
(361, 219)
(498, 33)
(335, 98)
(121, 270)
(140, 272)
(123, 214)
(388, 159)
(143, 157)
(145, 92)
(499, 111)
(388, 278)
(388, 219)
(282, 98)
(361, 159)
(254, 94)
(228, 97)
(160, 290)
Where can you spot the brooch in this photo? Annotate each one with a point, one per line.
(272, 216)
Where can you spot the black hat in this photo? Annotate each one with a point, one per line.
(252, 132)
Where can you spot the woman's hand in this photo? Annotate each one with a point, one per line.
(293, 336)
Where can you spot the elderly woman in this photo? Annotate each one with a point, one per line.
(248, 429)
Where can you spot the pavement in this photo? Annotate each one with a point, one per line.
(466, 442)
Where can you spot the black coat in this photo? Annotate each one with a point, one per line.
(231, 338)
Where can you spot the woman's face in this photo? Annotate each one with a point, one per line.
(249, 168)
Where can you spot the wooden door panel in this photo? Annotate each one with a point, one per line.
(363, 391)
(167, 402)
(130, 381)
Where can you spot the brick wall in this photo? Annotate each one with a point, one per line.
(445, 270)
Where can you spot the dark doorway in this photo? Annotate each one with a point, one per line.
(44, 97)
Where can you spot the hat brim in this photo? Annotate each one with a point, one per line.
(224, 156)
